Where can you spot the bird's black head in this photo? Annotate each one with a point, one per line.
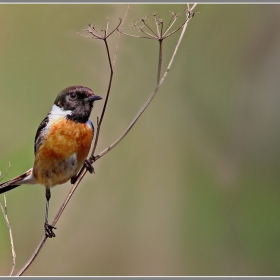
(77, 99)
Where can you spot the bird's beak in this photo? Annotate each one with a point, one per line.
(93, 97)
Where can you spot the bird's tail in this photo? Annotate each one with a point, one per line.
(25, 178)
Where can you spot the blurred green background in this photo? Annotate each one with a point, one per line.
(194, 187)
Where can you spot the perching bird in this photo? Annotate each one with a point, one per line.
(62, 143)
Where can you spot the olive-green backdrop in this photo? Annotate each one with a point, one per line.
(194, 187)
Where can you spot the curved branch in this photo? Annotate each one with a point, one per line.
(149, 100)
(81, 173)
(95, 158)
(4, 211)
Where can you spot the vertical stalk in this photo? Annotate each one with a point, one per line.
(159, 60)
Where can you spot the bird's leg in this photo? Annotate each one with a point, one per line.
(88, 165)
(48, 228)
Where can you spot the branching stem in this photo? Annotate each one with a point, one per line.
(143, 108)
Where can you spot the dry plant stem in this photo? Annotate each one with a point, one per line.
(34, 255)
(152, 38)
(148, 34)
(105, 103)
(156, 23)
(104, 152)
(7, 171)
(178, 44)
(56, 218)
(117, 46)
(84, 170)
(4, 211)
(159, 60)
(170, 24)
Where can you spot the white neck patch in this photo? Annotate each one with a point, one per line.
(57, 112)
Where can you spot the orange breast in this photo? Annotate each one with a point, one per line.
(63, 152)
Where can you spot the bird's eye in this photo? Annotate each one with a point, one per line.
(73, 95)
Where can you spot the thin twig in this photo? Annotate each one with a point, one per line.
(106, 101)
(170, 24)
(147, 33)
(159, 60)
(118, 38)
(161, 28)
(7, 171)
(84, 170)
(34, 255)
(156, 23)
(91, 30)
(5, 214)
(178, 44)
(135, 36)
(114, 29)
(174, 31)
(143, 20)
(104, 39)
(56, 218)
(107, 27)
(104, 152)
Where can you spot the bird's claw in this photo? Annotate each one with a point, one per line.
(89, 166)
(49, 230)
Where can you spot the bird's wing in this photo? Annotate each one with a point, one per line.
(40, 135)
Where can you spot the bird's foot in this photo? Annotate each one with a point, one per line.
(49, 230)
(89, 166)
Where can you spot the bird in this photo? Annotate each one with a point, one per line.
(62, 144)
